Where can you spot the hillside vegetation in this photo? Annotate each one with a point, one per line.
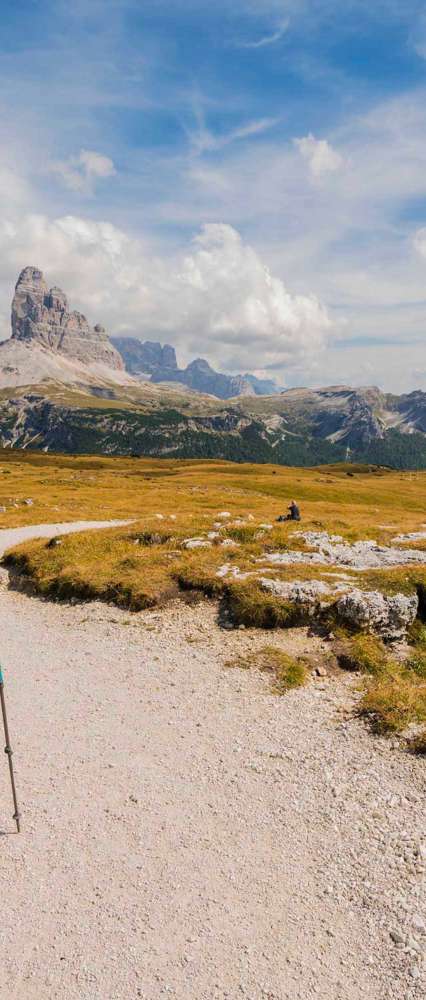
(296, 428)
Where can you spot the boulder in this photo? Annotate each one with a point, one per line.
(309, 596)
(196, 543)
(371, 611)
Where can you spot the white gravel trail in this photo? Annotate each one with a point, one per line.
(187, 834)
(10, 537)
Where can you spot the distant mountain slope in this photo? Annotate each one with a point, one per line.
(149, 358)
(343, 415)
(149, 419)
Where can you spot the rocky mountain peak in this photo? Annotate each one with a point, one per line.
(31, 279)
(41, 315)
(200, 365)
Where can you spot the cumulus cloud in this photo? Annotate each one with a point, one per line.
(80, 173)
(218, 298)
(319, 154)
(226, 289)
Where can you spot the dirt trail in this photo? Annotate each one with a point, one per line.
(14, 536)
(187, 834)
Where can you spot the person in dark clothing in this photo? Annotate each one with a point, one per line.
(294, 514)
(294, 511)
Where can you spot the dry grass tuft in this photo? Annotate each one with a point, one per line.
(417, 744)
(250, 605)
(395, 700)
(288, 672)
(394, 692)
(363, 652)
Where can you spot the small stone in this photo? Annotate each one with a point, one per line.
(418, 924)
(196, 543)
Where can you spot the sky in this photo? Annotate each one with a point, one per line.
(245, 180)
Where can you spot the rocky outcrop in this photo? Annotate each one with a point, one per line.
(42, 316)
(371, 611)
(360, 610)
(333, 550)
(200, 376)
(148, 357)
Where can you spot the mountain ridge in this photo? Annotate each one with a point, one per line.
(142, 358)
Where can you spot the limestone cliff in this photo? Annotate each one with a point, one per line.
(41, 315)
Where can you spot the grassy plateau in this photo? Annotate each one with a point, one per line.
(147, 562)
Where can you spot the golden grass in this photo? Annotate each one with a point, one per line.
(250, 605)
(172, 500)
(71, 487)
(363, 652)
(287, 671)
(394, 691)
(394, 700)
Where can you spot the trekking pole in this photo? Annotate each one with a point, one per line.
(9, 752)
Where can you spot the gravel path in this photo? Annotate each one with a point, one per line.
(188, 834)
(10, 537)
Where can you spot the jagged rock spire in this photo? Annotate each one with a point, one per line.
(43, 316)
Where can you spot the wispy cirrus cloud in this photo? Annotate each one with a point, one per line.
(203, 140)
(268, 39)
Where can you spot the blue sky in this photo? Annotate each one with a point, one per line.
(245, 179)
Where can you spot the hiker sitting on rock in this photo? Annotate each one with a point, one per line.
(294, 514)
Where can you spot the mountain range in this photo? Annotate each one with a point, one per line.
(64, 387)
(150, 360)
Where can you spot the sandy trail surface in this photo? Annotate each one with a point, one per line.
(188, 834)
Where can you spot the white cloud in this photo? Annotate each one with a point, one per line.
(270, 39)
(203, 140)
(217, 299)
(227, 291)
(80, 173)
(320, 156)
(420, 241)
